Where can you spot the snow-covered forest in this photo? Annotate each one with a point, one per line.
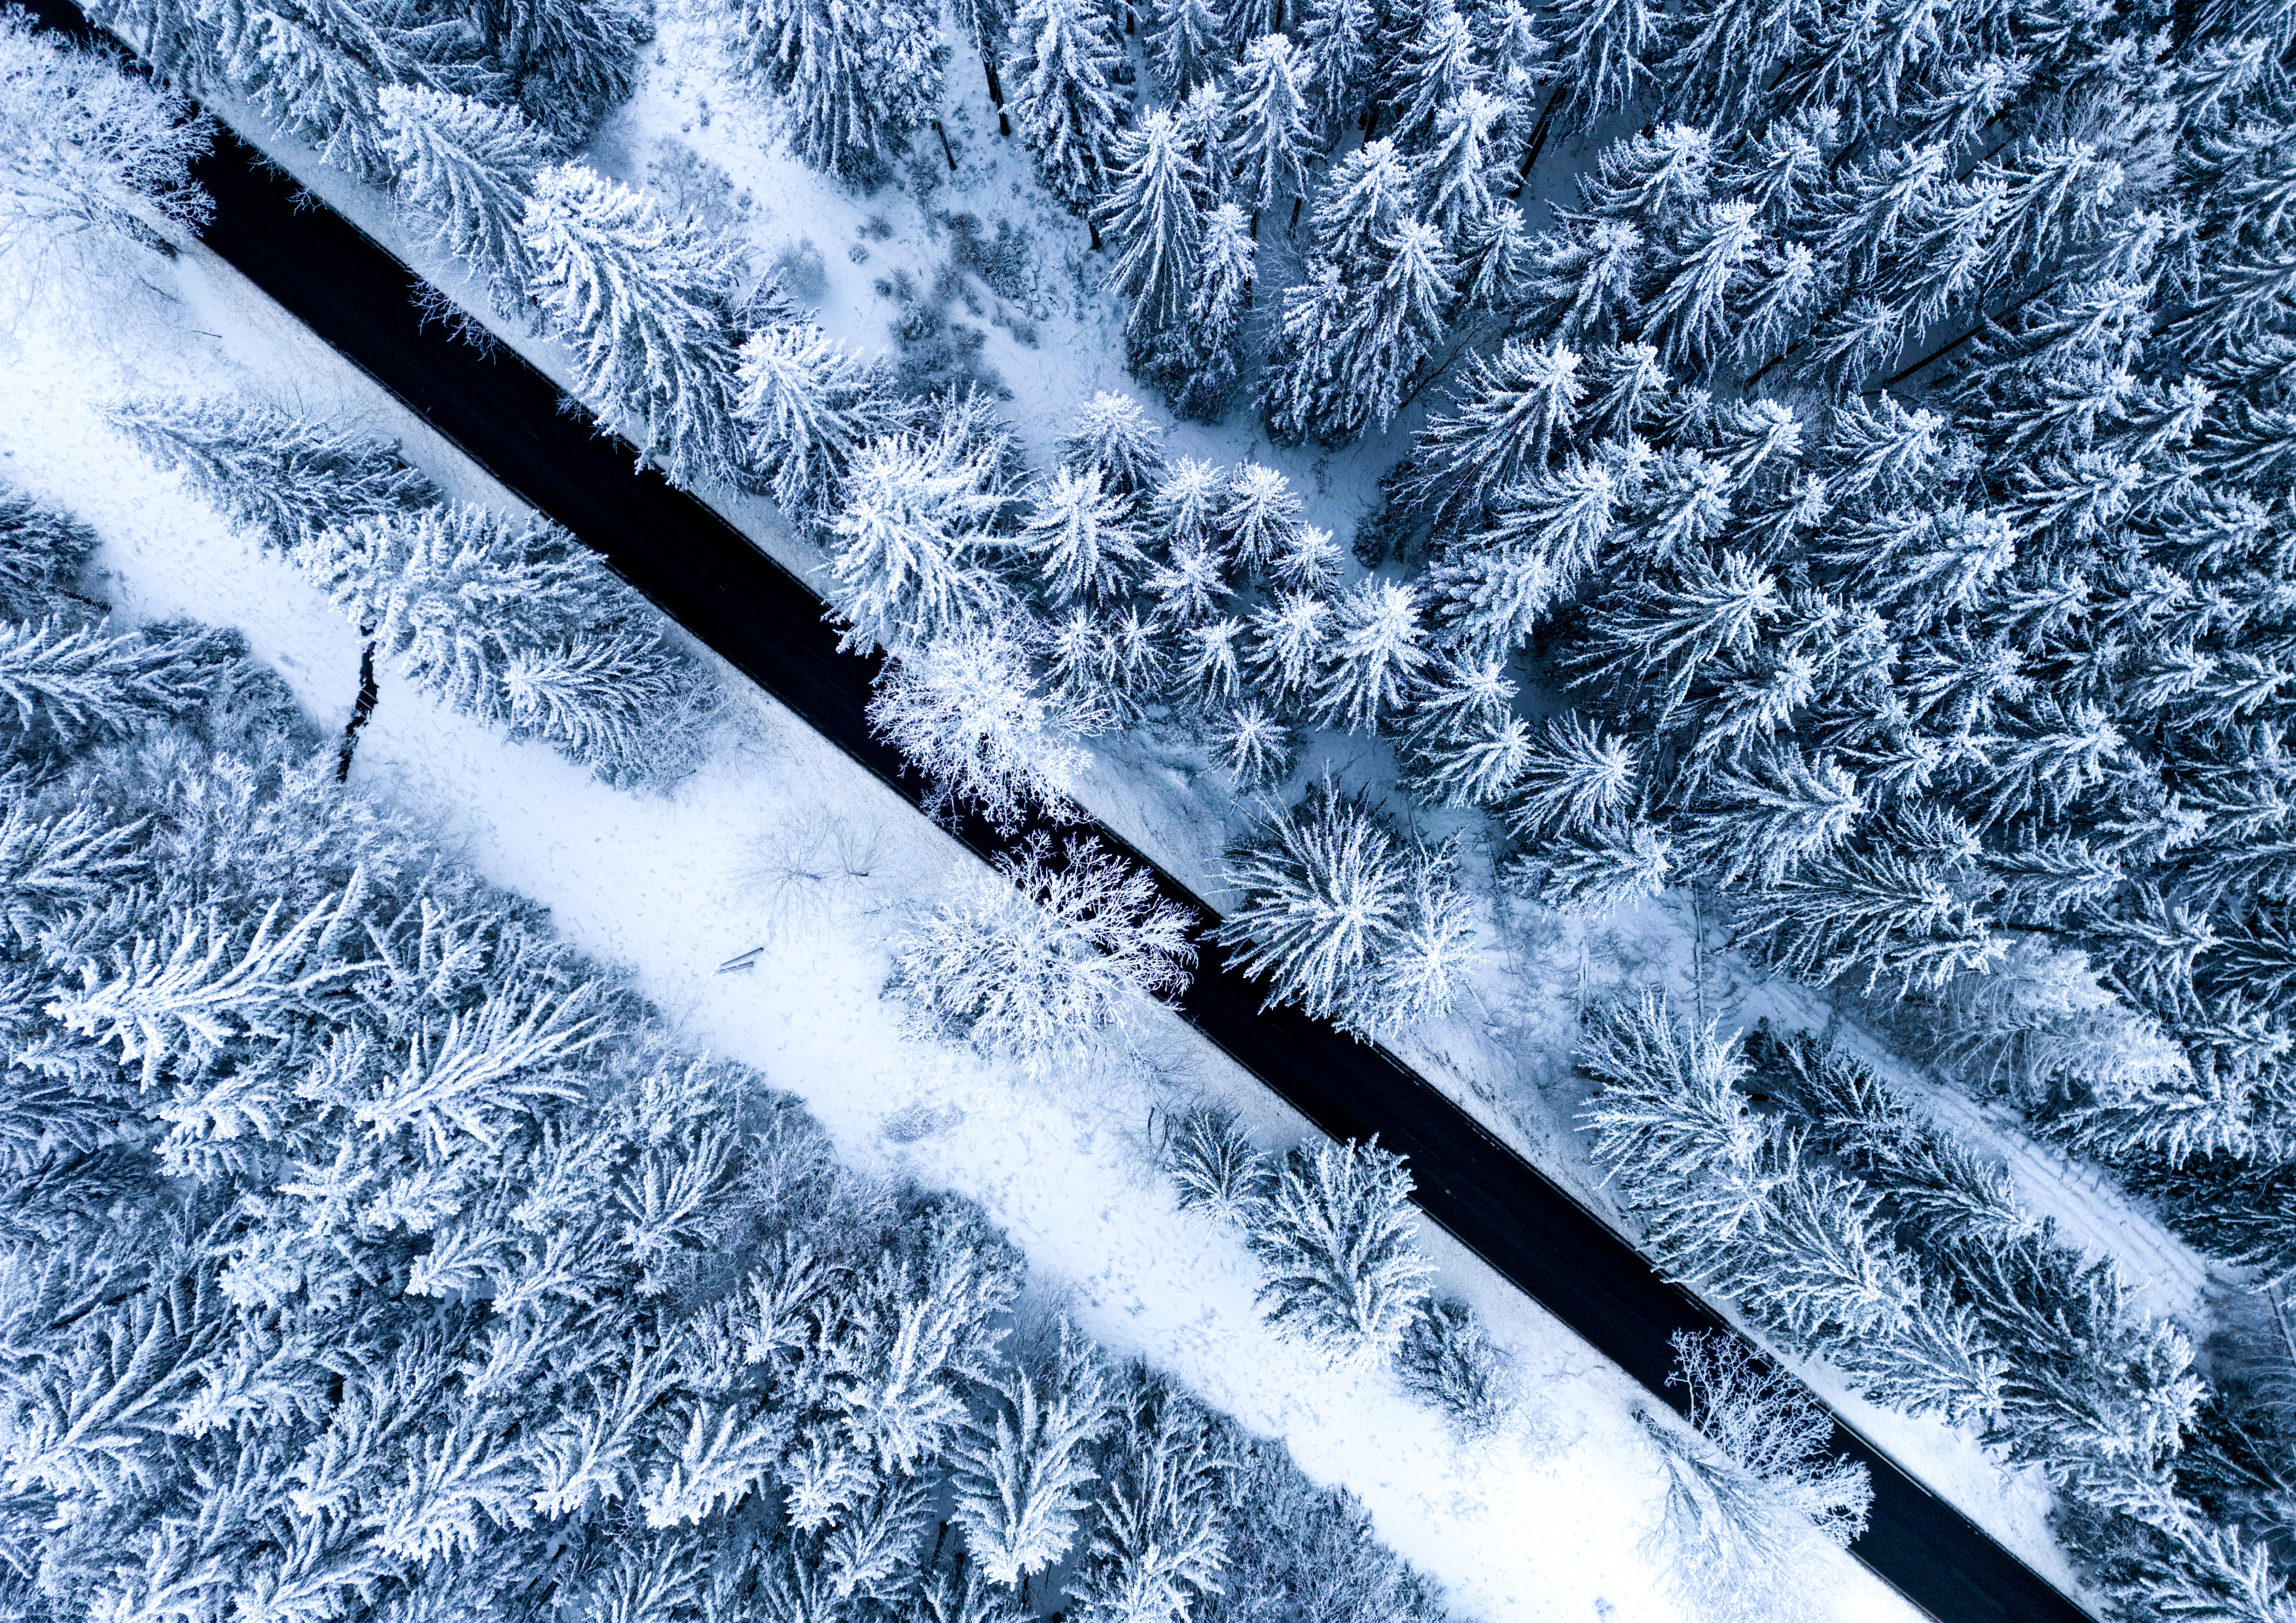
(1820, 472)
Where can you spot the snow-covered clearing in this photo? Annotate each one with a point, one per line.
(783, 844)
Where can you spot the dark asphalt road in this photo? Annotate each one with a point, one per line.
(709, 579)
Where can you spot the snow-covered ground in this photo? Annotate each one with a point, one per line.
(780, 843)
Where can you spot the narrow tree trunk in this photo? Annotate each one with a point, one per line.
(996, 90)
(363, 709)
(1093, 225)
(1003, 124)
(1295, 213)
(1254, 224)
(1131, 24)
(945, 150)
(1537, 142)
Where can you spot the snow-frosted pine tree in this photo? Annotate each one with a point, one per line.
(1020, 1475)
(1204, 354)
(1084, 538)
(469, 167)
(1113, 434)
(859, 79)
(570, 62)
(910, 541)
(1334, 1235)
(967, 711)
(1515, 410)
(1378, 645)
(1150, 222)
(1067, 107)
(1259, 517)
(1275, 128)
(1186, 44)
(809, 408)
(645, 306)
(1337, 37)
(1396, 324)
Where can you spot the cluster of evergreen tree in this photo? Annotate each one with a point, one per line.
(367, 1249)
(515, 622)
(1331, 1228)
(1846, 1225)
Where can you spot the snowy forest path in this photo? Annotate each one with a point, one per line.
(709, 577)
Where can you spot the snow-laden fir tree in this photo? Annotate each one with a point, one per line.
(1275, 129)
(42, 556)
(1448, 1360)
(90, 149)
(467, 169)
(1151, 224)
(1334, 1234)
(1337, 37)
(1377, 647)
(1215, 1167)
(569, 62)
(644, 304)
(1037, 963)
(283, 479)
(1344, 917)
(1259, 518)
(967, 711)
(1156, 1537)
(1113, 433)
(518, 623)
(1065, 104)
(1514, 412)
(1202, 355)
(910, 543)
(1020, 1475)
(1083, 538)
(857, 79)
(1288, 641)
(1186, 45)
(809, 408)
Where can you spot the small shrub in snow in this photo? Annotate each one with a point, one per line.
(1334, 1233)
(1215, 1169)
(966, 710)
(1447, 1359)
(1039, 962)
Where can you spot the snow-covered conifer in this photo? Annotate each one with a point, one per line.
(1334, 1234)
(1112, 433)
(809, 408)
(1083, 538)
(1337, 37)
(1604, 50)
(859, 79)
(1185, 506)
(907, 543)
(1151, 220)
(1066, 106)
(1378, 645)
(1437, 68)
(1449, 1360)
(1254, 747)
(283, 478)
(645, 304)
(1205, 351)
(1186, 44)
(967, 710)
(1780, 809)
(71, 684)
(1576, 778)
(1275, 125)
(1259, 516)
(1398, 321)
(1157, 1541)
(1209, 661)
(1215, 1169)
(1291, 638)
(1021, 1476)
(469, 167)
(570, 62)
(1454, 178)
(1515, 411)
(519, 624)
(1495, 259)
(1609, 866)
(1311, 560)
(42, 553)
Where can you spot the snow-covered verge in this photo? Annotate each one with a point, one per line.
(703, 144)
(782, 844)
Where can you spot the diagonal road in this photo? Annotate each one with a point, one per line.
(762, 619)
